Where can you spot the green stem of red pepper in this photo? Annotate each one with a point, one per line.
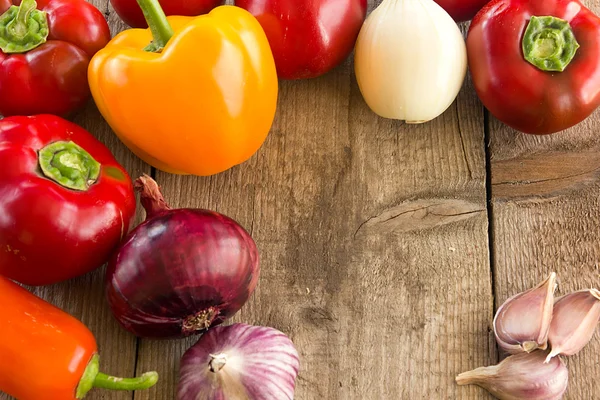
(93, 378)
(23, 28)
(158, 24)
(69, 165)
(549, 43)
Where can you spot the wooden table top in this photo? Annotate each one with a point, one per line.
(385, 247)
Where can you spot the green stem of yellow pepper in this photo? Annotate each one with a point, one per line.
(159, 26)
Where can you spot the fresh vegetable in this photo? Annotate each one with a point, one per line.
(48, 354)
(181, 271)
(308, 37)
(522, 322)
(203, 103)
(239, 362)
(66, 202)
(44, 54)
(410, 60)
(536, 63)
(521, 376)
(574, 323)
(524, 325)
(462, 10)
(130, 12)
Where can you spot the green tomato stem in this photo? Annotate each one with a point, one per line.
(92, 378)
(158, 23)
(549, 43)
(23, 28)
(69, 165)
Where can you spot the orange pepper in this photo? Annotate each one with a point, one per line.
(189, 95)
(47, 354)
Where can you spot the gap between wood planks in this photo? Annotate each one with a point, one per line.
(490, 206)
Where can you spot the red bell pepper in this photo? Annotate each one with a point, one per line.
(45, 49)
(65, 202)
(308, 38)
(131, 13)
(536, 63)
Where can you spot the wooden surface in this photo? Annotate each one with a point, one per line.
(385, 247)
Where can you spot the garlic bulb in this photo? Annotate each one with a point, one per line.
(410, 60)
(522, 322)
(239, 362)
(574, 322)
(521, 376)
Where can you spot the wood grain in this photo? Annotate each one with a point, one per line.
(379, 306)
(546, 202)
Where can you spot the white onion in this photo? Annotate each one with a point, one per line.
(239, 362)
(410, 60)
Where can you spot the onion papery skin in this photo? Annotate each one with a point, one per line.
(261, 364)
(181, 265)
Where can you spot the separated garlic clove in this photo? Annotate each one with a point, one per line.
(521, 376)
(522, 322)
(574, 322)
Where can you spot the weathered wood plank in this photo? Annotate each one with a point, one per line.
(373, 241)
(545, 210)
(545, 218)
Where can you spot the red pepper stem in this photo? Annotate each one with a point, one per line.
(23, 28)
(19, 24)
(69, 165)
(549, 43)
(93, 378)
(158, 23)
(150, 196)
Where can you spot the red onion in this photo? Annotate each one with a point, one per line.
(181, 271)
(239, 362)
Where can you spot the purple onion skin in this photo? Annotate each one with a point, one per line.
(177, 265)
(262, 364)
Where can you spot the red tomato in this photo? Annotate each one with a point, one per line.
(65, 202)
(308, 37)
(131, 13)
(553, 85)
(462, 10)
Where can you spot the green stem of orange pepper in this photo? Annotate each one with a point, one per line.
(158, 23)
(93, 378)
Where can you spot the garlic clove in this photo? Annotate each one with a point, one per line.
(574, 322)
(521, 324)
(521, 376)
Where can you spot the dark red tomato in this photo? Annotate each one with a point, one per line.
(308, 37)
(65, 202)
(131, 13)
(462, 10)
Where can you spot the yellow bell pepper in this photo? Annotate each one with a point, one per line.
(189, 95)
